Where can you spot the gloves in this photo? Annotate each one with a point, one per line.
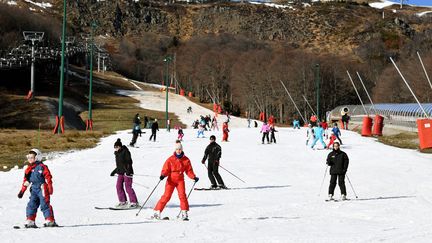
(161, 177)
(203, 161)
(50, 189)
(20, 194)
(113, 172)
(216, 162)
(196, 179)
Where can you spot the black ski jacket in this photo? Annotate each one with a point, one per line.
(123, 161)
(154, 127)
(338, 162)
(213, 152)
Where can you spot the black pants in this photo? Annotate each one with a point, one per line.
(265, 135)
(338, 138)
(153, 135)
(213, 172)
(134, 138)
(272, 138)
(341, 181)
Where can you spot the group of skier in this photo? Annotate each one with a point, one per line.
(38, 176)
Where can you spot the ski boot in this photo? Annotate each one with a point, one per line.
(156, 215)
(121, 205)
(330, 197)
(134, 205)
(184, 215)
(30, 224)
(223, 187)
(50, 224)
(343, 197)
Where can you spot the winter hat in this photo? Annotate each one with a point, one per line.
(155, 120)
(178, 146)
(118, 143)
(213, 137)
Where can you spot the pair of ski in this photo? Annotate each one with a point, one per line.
(337, 200)
(210, 189)
(35, 227)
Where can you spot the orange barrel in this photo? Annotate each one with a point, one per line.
(190, 94)
(378, 125)
(424, 127)
(182, 92)
(367, 126)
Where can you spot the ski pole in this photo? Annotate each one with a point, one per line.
(144, 175)
(325, 173)
(232, 174)
(148, 197)
(178, 215)
(135, 182)
(351, 186)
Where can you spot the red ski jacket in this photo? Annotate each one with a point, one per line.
(175, 167)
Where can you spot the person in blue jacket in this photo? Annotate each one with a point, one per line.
(319, 132)
(337, 132)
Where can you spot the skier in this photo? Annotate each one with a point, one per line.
(255, 124)
(332, 139)
(324, 125)
(154, 128)
(146, 122)
(296, 124)
(200, 130)
(309, 134)
(136, 130)
(214, 124)
(338, 162)
(225, 131)
(38, 177)
(124, 171)
(174, 167)
(180, 134)
(213, 152)
(265, 129)
(319, 132)
(345, 121)
(272, 134)
(337, 132)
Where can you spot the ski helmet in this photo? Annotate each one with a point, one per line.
(38, 153)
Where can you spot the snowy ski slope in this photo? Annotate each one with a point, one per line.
(278, 203)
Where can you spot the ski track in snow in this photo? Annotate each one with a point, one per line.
(278, 203)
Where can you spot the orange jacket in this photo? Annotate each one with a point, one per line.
(175, 167)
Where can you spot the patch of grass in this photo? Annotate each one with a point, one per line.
(407, 140)
(110, 113)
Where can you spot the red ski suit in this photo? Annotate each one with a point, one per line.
(174, 168)
(225, 132)
(332, 139)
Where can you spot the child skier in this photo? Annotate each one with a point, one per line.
(265, 129)
(296, 124)
(272, 134)
(319, 132)
(309, 134)
(200, 131)
(174, 168)
(337, 132)
(180, 134)
(125, 172)
(38, 177)
(225, 131)
(136, 130)
(332, 139)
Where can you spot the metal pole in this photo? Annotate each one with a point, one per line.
(424, 69)
(98, 61)
(364, 87)
(32, 68)
(60, 110)
(352, 82)
(166, 98)
(91, 73)
(293, 102)
(317, 69)
(307, 102)
(415, 97)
